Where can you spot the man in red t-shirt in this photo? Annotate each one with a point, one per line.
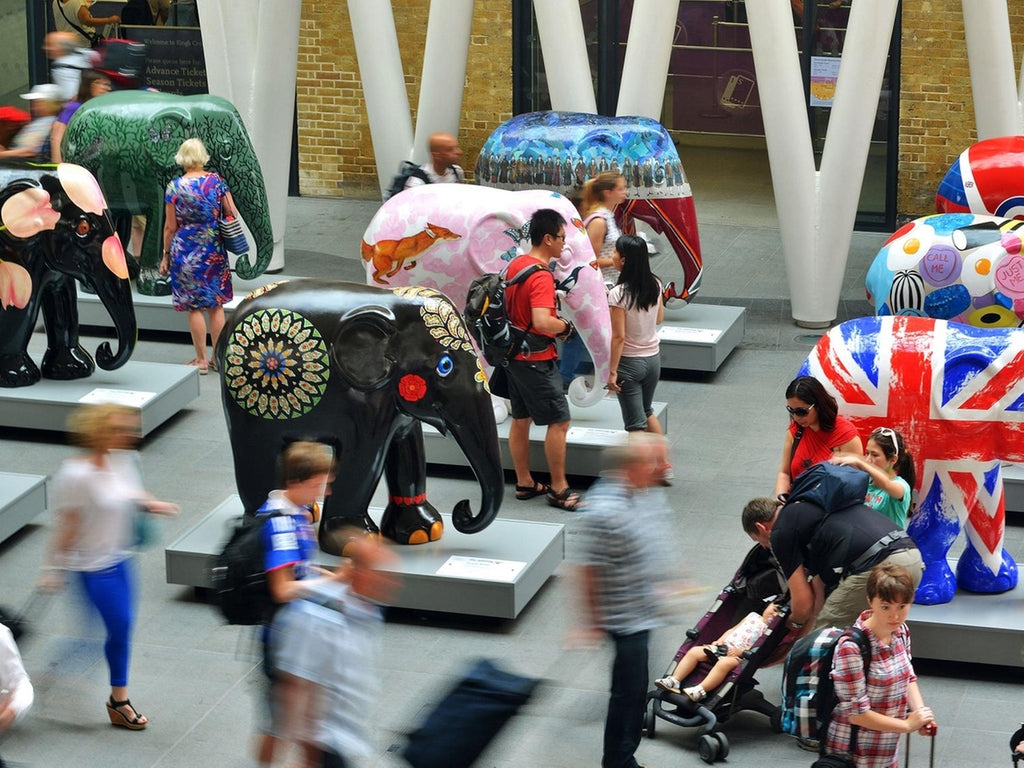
(534, 383)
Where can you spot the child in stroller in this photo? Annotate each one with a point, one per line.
(724, 653)
(756, 583)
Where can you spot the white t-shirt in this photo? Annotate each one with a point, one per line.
(453, 175)
(641, 325)
(745, 634)
(70, 9)
(611, 237)
(13, 676)
(105, 500)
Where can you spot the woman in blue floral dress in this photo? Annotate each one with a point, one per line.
(193, 254)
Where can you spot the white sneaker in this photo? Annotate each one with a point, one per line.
(696, 693)
(669, 684)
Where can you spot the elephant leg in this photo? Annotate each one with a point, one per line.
(995, 573)
(17, 369)
(65, 358)
(346, 506)
(974, 574)
(151, 282)
(934, 527)
(409, 518)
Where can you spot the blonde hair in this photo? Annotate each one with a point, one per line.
(94, 427)
(192, 154)
(594, 189)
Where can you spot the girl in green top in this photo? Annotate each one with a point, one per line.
(890, 469)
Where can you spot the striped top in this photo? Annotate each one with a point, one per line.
(624, 537)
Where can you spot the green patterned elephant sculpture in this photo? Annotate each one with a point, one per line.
(128, 139)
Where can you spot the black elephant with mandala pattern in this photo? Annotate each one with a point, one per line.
(359, 368)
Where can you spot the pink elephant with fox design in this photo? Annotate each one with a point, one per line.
(443, 236)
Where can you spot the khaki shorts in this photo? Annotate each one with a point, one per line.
(847, 600)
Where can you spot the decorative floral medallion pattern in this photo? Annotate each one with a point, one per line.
(440, 316)
(276, 364)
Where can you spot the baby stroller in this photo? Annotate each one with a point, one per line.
(757, 582)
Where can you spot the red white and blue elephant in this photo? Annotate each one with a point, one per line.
(963, 267)
(443, 236)
(561, 150)
(987, 177)
(956, 393)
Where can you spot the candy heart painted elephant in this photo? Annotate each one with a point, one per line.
(987, 177)
(129, 139)
(443, 236)
(561, 150)
(56, 230)
(958, 266)
(955, 393)
(358, 368)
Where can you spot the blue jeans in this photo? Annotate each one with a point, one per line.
(111, 593)
(637, 378)
(626, 705)
(572, 357)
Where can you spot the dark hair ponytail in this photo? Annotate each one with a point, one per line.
(641, 287)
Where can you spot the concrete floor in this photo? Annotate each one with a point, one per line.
(195, 677)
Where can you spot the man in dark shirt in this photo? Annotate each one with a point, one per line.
(826, 557)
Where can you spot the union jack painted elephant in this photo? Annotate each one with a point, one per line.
(956, 392)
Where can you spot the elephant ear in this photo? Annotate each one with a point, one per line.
(26, 210)
(360, 350)
(164, 133)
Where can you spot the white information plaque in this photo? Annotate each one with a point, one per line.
(595, 435)
(480, 568)
(130, 397)
(681, 333)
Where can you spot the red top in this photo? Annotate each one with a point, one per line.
(816, 446)
(538, 290)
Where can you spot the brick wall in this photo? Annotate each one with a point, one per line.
(335, 148)
(936, 116)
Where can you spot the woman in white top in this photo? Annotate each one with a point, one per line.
(98, 496)
(636, 311)
(601, 195)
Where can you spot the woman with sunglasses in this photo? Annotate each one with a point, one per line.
(816, 431)
(890, 469)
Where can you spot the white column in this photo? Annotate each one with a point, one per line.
(444, 72)
(251, 60)
(997, 109)
(380, 69)
(565, 55)
(847, 144)
(790, 154)
(648, 51)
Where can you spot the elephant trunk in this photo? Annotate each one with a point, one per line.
(250, 196)
(116, 294)
(478, 440)
(586, 304)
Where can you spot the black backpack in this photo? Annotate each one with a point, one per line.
(486, 316)
(832, 487)
(405, 171)
(239, 576)
(808, 693)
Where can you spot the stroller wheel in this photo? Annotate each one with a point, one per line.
(723, 744)
(649, 721)
(708, 747)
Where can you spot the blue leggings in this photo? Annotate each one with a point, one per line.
(110, 591)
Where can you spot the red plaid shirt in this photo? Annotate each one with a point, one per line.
(883, 690)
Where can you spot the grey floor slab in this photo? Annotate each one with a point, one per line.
(198, 679)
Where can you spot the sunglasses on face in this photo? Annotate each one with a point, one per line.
(801, 412)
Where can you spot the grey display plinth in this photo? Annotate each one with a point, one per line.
(492, 573)
(972, 628)
(157, 390)
(155, 313)
(22, 497)
(1013, 487)
(592, 430)
(698, 337)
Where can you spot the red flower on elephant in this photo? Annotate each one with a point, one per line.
(412, 387)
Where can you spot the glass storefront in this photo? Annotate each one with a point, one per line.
(711, 97)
